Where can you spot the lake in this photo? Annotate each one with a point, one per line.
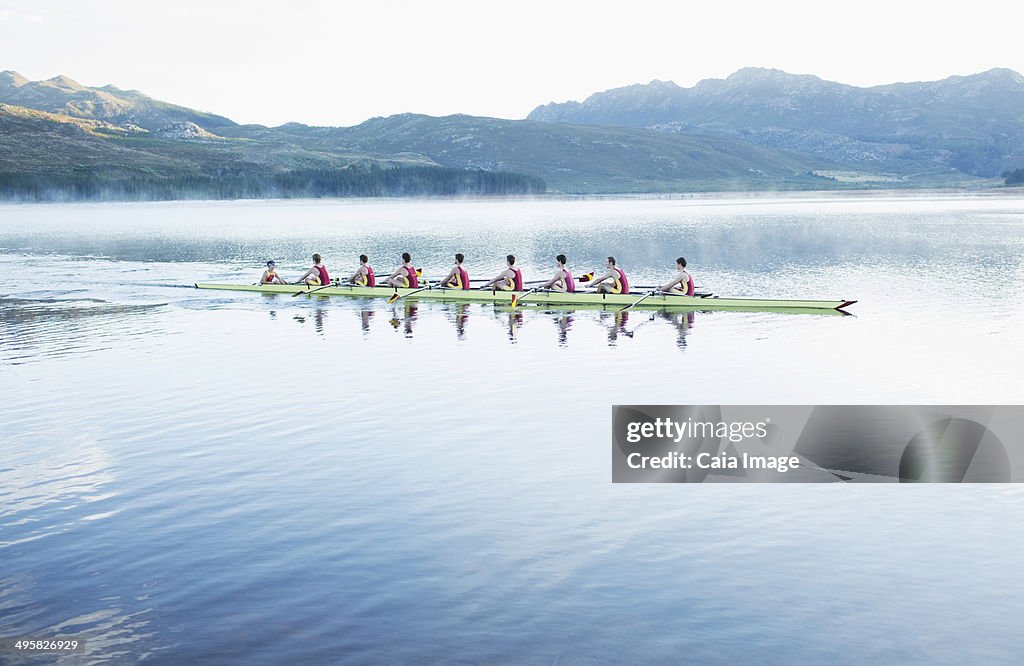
(223, 476)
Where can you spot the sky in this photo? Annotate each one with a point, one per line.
(339, 63)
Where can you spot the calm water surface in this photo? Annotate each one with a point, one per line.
(226, 476)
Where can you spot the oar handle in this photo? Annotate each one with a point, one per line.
(516, 298)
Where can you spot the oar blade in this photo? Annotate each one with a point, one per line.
(515, 300)
(586, 277)
(393, 298)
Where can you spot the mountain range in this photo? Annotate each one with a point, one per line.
(757, 129)
(973, 124)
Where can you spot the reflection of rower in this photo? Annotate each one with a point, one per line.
(366, 316)
(461, 318)
(515, 321)
(682, 283)
(562, 279)
(458, 277)
(620, 318)
(364, 276)
(683, 321)
(618, 284)
(564, 323)
(510, 279)
(409, 317)
(404, 275)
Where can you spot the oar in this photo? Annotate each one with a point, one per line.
(516, 297)
(587, 277)
(656, 286)
(696, 294)
(313, 291)
(395, 296)
(638, 301)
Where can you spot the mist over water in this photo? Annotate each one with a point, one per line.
(213, 475)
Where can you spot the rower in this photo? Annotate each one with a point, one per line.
(510, 279)
(317, 275)
(562, 280)
(270, 275)
(363, 276)
(618, 283)
(404, 275)
(458, 277)
(682, 283)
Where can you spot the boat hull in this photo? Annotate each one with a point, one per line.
(550, 298)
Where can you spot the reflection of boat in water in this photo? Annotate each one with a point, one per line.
(555, 298)
(619, 324)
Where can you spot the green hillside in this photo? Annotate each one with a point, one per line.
(573, 159)
(46, 156)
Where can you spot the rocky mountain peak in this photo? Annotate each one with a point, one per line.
(64, 83)
(1001, 75)
(11, 79)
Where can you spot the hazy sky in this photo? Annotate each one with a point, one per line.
(339, 63)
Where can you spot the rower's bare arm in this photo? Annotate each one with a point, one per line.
(677, 280)
(501, 276)
(668, 285)
(553, 281)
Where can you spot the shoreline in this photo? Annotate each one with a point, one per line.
(1008, 192)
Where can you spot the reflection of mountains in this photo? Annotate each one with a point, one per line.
(42, 328)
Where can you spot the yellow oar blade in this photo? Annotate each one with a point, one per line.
(394, 297)
(586, 277)
(515, 300)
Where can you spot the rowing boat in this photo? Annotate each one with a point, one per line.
(554, 298)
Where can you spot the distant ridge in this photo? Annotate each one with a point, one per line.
(758, 129)
(973, 123)
(62, 94)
